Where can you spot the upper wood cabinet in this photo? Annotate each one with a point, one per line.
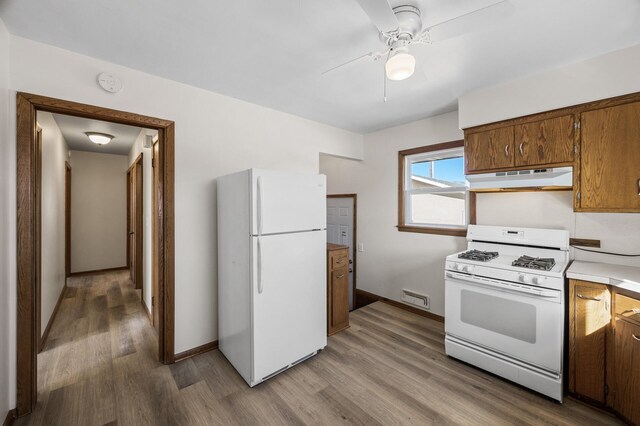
(609, 167)
(544, 142)
(489, 150)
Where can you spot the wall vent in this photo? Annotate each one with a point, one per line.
(415, 299)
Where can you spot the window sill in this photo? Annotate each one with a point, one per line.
(461, 232)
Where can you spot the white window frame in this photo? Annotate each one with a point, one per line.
(443, 154)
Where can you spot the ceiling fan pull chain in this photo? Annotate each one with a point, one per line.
(384, 76)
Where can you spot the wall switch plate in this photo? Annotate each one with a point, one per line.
(360, 247)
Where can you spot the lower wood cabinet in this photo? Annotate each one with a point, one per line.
(604, 347)
(626, 370)
(337, 288)
(590, 313)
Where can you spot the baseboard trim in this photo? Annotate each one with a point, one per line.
(97, 271)
(10, 418)
(196, 351)
(43, 339)
(371, 297)
(146, 309)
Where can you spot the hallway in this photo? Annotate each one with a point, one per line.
(101, 341)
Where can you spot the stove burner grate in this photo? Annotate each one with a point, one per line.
(481, 256)
(540, 263)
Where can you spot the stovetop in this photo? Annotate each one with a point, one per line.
(538, 263)
(479, 255)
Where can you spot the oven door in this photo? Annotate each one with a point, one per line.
(506, 318)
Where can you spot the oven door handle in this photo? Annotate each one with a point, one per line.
(551, 294)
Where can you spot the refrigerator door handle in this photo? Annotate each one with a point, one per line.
(259, 267)
(260, 204)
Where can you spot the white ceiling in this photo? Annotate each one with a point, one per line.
(272, 52)
(73, 129)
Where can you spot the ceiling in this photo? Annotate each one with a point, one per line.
(73, 129)
(273, 52)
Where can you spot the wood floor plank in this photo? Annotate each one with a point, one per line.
(100, 367)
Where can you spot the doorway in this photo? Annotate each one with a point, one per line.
(135, 224)
(29, 243)
(342, 217)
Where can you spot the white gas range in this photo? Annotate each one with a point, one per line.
(504, 304)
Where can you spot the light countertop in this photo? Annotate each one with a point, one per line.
(626, 277)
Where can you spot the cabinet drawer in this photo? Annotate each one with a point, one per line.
(339, 260)
(627, 307)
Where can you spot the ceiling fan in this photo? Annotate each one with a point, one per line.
(401, 27)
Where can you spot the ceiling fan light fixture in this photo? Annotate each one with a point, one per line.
(99, 138)
(401, 65)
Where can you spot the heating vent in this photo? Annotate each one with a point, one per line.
(416, 299)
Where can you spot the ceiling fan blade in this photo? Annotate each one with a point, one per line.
(380, 13)
(469, 22)
(374, 55)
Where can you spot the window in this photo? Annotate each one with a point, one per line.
(433, 194)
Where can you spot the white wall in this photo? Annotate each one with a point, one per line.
(215, 135)
(147, 181)
(54, 155)
(394, 260)
(604, 76)
(7, 274)
(98, 211)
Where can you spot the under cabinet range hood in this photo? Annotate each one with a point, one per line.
(549, 178)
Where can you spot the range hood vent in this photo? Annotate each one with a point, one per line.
(550, 178)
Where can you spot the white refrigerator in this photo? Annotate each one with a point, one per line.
(272, 291)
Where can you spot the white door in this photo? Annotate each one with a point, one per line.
(287, 202)
(289, 299)
(340, 222)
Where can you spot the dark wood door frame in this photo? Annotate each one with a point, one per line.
(355, 238)
(27, 106)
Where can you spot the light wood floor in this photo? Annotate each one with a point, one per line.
(99, 367)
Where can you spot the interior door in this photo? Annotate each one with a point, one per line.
(340, 230)
(287, 202)
(138, 225)
(131, 261)
(155, 186)
(289, 299)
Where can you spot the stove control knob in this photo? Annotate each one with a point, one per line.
(468, 268)
(458, 267)
(538, 280)
(525, 278)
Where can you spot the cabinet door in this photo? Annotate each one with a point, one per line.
(610, 159)
(489, 150)
(339, 299)
(627, 370)
(591, 317)
(545, 142)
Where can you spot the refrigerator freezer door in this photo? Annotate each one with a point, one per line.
(287, 202)
(289, 300)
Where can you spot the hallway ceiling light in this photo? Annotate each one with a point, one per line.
(99, 138)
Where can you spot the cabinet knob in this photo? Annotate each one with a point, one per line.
(506, 150)
(340, 276)
(521, 149)
(636, 337)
